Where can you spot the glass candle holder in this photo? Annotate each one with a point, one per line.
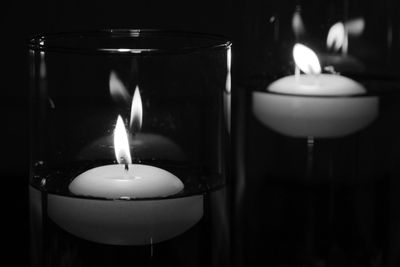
(129, 136)
(318, 185)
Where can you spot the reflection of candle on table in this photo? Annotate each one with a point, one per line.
(314, 104)
(146, 145)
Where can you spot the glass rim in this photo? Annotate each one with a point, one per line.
(39, 42)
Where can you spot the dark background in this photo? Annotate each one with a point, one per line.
(239, 20)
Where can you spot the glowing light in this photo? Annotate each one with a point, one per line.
(297, 23)
(136, 111)
(121, 143)
(306, 59)
(337, 36)
(117, 88)
(355, 27)
(228, 75)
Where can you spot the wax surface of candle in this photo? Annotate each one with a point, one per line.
(319, 84)
(125, 179)
(113, 181)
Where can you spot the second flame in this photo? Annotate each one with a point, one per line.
(136, 112)
(121, 143)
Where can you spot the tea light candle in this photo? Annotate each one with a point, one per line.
(125, 180)
(314, 104)
(124, 214)
(125, 204)
(115, 220)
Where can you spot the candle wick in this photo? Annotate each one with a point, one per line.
(297, 74)
(126, 167)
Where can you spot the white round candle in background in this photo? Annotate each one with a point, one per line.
(314, 104)
(113, 181)
(115, 218)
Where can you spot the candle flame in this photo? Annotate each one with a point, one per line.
(337, 36)
(228, 73)
(355, 27)
(117, 88)
(297, 23)
(306, 59)
(136, 111)
(121, 143)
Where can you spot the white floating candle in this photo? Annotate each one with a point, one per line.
(139, 181)
(314, 104)
(118, 221)
(125, 180)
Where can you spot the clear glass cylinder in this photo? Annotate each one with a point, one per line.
(317, 157)
(129, 139)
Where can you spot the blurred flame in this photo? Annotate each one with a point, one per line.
(229, 59)
(355, 27)
(117, 88)
(42, 69)
(339, 32)
(121, 143)
(306, 59)
(136, 112)
(297, 23)
(337, 36)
